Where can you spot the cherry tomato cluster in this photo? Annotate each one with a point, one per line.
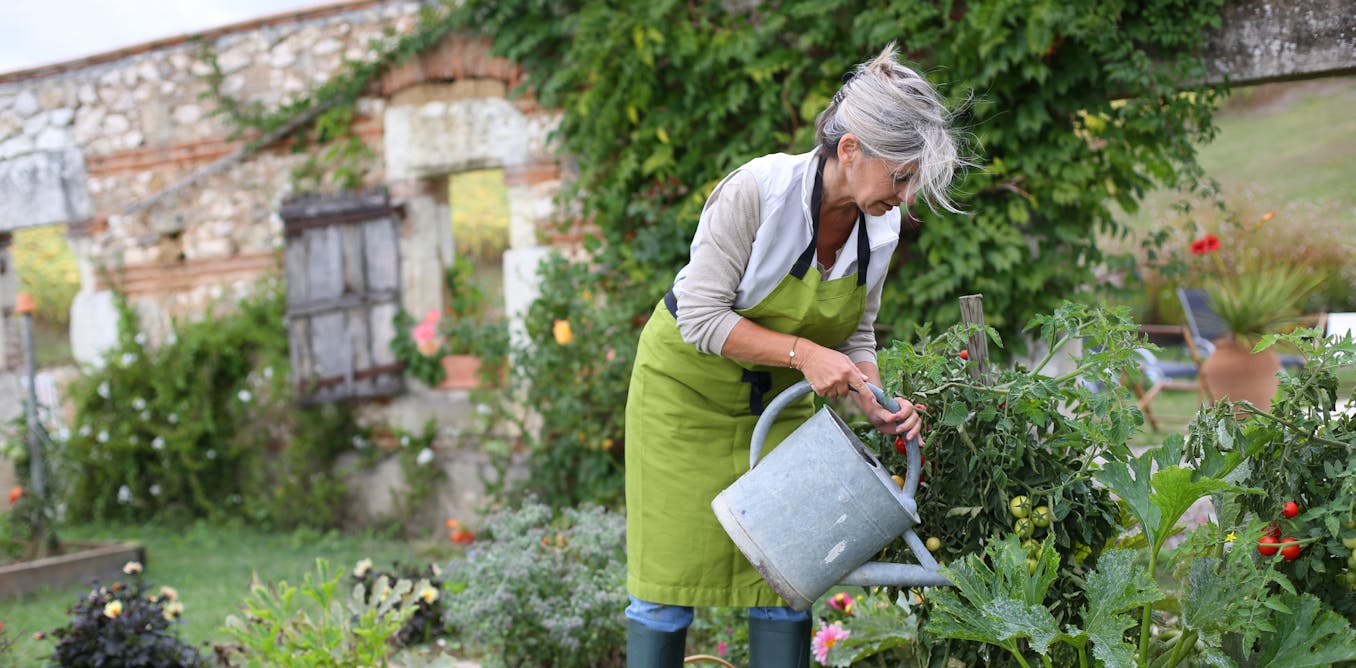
(1271, 541)
(1029, 520)
(902, 448)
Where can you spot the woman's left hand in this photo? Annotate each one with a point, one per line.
(906, 420)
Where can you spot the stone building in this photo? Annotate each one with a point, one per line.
(127, 151)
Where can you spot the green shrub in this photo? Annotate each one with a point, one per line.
(316, 625)
(543, 589)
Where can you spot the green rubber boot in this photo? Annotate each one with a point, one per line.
(648, 648)
(779, 644)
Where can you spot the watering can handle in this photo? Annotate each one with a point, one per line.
(802, 388)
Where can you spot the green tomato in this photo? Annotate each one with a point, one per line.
(1019, 506)
(1041, 516)
(1031, 565)
(1349, 542)
(1351, 561)
(933, 544)
(1023, 528)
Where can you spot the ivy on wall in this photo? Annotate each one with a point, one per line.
(1073, 107)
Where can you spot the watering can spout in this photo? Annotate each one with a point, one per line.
(882, 574)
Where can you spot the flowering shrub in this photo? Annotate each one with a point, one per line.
(464, 329)
(203, 424)
(426, 623)
(543, 589)
(125, 624)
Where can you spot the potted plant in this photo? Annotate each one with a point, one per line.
(1253, 296)
(449, 350)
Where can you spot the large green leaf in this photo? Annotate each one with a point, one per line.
(1311, 636)
(1114, 588)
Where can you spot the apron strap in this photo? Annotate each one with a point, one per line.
(863, 249)
(816, 199)
(760, 383)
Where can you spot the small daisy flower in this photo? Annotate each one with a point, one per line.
(155, 489)
(429, 594)
(244, 396)
(113, 609)
(124, 494)
(424, 457)
(158, 443)
(825, 639)
(138, 403)
(362, 568)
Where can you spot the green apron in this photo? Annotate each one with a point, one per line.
(689, 421)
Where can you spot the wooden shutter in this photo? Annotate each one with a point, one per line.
(342, 263)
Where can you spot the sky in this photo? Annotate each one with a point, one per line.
(40, 32)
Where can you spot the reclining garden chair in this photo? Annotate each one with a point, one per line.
(1165, 374)
(1206, 325)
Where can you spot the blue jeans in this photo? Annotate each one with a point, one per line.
(670, 618)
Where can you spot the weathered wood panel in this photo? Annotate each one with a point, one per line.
(342, 268)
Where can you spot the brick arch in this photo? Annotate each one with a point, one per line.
(459, 56)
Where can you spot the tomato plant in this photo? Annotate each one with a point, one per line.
(1290, 510)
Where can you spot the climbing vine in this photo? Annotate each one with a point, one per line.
(320, 123)
(1073, 107)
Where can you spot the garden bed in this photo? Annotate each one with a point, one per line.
(82, 562)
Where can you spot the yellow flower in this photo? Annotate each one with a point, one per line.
(113, 609)
(132, 567)
(362, 568)
(1230, 537)
(169, 593)
(607, 444)
(173, 611)
(562, 331)
(429, 594)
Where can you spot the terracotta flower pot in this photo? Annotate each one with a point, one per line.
(460, 372)
(1233, 371)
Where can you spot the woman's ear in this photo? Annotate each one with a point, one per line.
(848, 148)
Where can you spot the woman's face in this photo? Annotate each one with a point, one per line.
(874, 184)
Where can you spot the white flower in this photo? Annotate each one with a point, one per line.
(140, 338)
(436, 571)
(127, 359)
(172, 339)
(86, 430)
(483, 409)
(158, 443)
(359, 442)
(113, 609)
(124, 494)
(145, 416)
(404, 440)
(173, 418)
(131, 567)
(64, 434)
(103, 389)
(102, 437)
(169, 593)
(138, 403)
(155, 489)
(362, 568)
(173, 610)
(268, 372)
(211, 454)
(424, 457)
(429, 594)
(244, 396)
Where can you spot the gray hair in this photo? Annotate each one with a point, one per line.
(897, 116)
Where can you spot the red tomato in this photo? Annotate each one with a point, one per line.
(1273, 530)
(1290, 552)
(1290, 510)
(900, 446)
(965, 354)
(1266, 545)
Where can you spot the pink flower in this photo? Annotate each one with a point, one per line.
(841, 601)
(825, 639)
(433, 315)
(721, 648)
(424, 331)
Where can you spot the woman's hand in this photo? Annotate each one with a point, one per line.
(907, 421)
(831, 373)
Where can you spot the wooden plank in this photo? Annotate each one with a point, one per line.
(342, 302)
(328, 345)
(303, 360)
(972, 313)
(351, 249)
(381, 245)
(360, 337)
(324, 270)
(382, 327)
(294, 272)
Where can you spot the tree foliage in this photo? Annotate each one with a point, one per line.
(1072, 106)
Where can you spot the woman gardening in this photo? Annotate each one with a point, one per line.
(783, 283)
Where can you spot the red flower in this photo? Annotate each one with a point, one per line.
(1206, 244)
(15, 493)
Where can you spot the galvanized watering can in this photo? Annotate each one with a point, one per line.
(811, 513)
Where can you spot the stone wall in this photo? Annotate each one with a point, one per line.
(87, 143)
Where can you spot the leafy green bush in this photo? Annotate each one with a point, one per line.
(543, 589)
(202, 425)
(125, 624)
(571, 372)
(315, 625)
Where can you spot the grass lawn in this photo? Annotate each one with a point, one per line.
(211, 567)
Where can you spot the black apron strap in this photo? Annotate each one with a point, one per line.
(760, 383)
(816, 199)
(671, 303)
(863, 249)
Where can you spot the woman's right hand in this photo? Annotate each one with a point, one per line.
(831, 373)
